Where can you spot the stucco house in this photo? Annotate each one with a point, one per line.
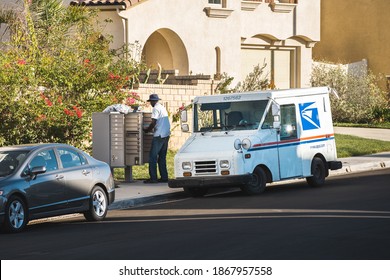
(359, 35)
(198, 40)
(215, 36)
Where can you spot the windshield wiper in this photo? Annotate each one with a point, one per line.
(203, 130)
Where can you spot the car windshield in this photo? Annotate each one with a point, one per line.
(10, 160)
(226, 116)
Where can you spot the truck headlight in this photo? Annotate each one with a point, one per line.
(246, 144)
(186, 165)
(224, 164)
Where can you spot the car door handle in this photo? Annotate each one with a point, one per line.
(85, 172)
(59, 177)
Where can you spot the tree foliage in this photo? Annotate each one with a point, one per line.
(56, 69)
(255, 80)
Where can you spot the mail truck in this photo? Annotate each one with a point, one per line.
(247, 140)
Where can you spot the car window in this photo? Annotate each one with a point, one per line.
(70, 158)
(45, 158)
(10, 160)
(83, 159)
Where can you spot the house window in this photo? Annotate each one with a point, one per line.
(283, 1)
(280, 65)
(219, 2)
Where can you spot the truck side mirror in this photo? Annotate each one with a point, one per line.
(183, 116)
(185, 127)
(277, 122)
(276, 113)
(275, 109)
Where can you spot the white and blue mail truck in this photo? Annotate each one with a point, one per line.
(247, 140)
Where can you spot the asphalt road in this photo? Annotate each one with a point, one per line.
(349, 218)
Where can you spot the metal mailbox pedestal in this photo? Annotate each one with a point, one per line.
(118, 139)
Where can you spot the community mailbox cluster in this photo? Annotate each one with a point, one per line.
(118, 139)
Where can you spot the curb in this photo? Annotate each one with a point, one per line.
(361, 167)
(140, 201)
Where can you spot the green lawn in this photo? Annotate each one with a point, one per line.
(141, 172)
(347, 146)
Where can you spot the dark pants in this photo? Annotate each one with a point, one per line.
(158, 155)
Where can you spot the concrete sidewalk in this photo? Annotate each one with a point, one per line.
(370, 133)
(137, 193)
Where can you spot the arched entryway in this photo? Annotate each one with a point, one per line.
(165, 47)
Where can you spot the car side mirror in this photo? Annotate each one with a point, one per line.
(37, 170)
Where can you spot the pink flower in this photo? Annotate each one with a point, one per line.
(111, 76)
(130, 101)
(21, 62)
(78, 111)
(134, 94)
(47, 100)
(68, 112)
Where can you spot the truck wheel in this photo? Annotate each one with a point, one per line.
(196, 192)
(318, 173)
(257, 184)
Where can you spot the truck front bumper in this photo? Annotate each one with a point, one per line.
(210, 181)
(334, 165)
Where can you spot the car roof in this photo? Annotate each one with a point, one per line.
(31, 147)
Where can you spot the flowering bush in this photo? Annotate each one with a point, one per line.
(55, 71)
(360, 98)
(134, 100)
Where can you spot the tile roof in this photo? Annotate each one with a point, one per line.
(96, 3)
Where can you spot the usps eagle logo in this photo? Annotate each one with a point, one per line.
(309, 116)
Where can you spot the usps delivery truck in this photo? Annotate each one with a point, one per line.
(250, 139)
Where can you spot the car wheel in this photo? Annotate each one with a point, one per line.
(98, 205)
(196, 192)
(318, 173)
(16, 216)
(257, 184)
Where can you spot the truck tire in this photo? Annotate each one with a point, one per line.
(318, 173)
(257, 184)
(196, 191)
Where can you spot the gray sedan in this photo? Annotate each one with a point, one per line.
(44, 180)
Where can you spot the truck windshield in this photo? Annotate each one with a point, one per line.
(225, 116)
